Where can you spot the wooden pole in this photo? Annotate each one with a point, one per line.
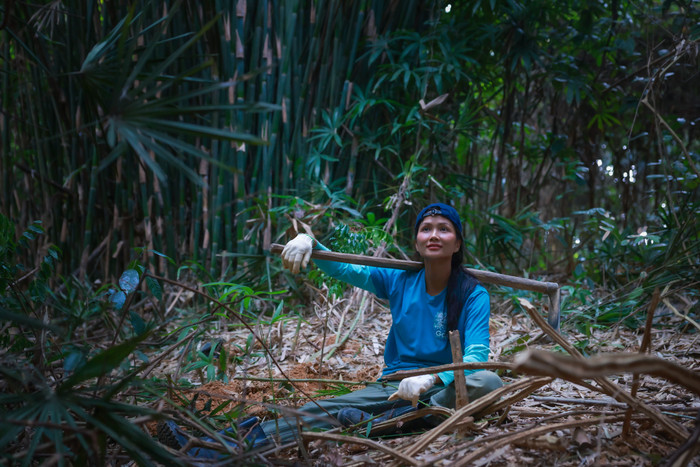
(551, 289)
(462, 397)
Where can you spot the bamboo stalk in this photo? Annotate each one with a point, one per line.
(550, 288)
(460, 381)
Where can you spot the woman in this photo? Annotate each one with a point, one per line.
(425, 305)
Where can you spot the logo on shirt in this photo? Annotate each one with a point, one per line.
(440, 325)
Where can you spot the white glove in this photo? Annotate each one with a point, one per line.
(297, 252)
(411, 388)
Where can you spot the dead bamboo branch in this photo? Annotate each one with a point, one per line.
(646, 340)
(610, 402)
(608, 387)
(509, 401)
(488, 277)
(687, 451)
(540, 362)
(484, 276)
(381, 427)
(525, 386)
(363, 441)
(681, 315)
(462, 398)
(449, 367)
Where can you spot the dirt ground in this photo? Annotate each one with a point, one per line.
(361, 327)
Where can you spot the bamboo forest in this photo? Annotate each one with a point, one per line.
(209, 221)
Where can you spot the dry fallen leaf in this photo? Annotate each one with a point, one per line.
(582, 438)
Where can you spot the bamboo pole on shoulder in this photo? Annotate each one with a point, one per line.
(549, 288)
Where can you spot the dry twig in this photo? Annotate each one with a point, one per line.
(646, 343)
(532, 433)
(485, 403)
(365, 442)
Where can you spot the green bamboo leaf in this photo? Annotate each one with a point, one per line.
(73, 360)
(102, 363)
(187, 148)
(195, 366)
(117, 151)
(137, 144)
(142, 449)
(24, 320)
(99, 50)
(201, 130)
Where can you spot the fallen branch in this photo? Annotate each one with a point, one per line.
(684, 454)
(449, 367)
(381, 427)
(550, 288)
(543, 363)
(609, 388)
(681, 315)
(305, 380)
(484, 276)
(532, 433)
(525, 386)
(607, 402)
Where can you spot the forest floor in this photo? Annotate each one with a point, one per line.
(560, 423)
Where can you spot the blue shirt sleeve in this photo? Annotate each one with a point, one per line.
(474, 326)
(353, 274)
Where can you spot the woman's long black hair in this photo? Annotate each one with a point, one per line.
(460, 286)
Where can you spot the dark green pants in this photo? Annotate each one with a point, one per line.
(373, 399)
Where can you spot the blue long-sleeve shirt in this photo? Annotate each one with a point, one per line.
(418, 335)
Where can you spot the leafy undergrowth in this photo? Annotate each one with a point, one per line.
(85, 372)
(302, 347)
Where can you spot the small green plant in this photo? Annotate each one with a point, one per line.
(210, 361)
(349, 239)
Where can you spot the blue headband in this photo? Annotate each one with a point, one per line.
(440, 209)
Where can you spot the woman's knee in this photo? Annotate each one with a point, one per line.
(482, 383)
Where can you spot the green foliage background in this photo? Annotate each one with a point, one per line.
(178, 139)
(197, 129)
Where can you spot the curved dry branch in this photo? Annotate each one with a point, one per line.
(532, 433)
(365, 442)
(543, 363)
(608, 387)
(525, 388)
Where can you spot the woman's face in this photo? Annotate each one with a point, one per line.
(437, 238)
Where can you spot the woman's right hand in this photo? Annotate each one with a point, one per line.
(297, 252)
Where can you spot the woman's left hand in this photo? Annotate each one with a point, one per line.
(411, 388)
